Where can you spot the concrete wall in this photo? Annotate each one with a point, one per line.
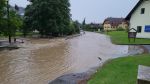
(138, 19)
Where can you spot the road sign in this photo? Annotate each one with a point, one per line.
(132, 34)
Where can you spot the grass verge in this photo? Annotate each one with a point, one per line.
(121, 70)
(121, 37)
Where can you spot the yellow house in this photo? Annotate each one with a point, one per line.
(114, 23)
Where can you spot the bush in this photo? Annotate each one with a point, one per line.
(120, 29)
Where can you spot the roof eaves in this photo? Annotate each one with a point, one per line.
(132, 11)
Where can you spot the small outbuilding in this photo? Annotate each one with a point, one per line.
(139, 19)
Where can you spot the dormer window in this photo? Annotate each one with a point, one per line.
(142, 10)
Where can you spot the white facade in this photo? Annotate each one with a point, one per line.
(138, 19)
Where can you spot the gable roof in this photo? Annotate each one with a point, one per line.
(132, 11)
(114, 21)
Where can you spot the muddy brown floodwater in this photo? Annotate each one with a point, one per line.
(39, 61)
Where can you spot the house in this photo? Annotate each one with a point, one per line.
(139, 18)
(114, 23)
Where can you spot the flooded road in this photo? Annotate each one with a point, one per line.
(41, 60)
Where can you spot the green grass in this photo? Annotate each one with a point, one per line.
(19, 34)
(121, 37)
(120, 71)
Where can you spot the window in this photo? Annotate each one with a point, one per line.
(139, 29)
(142, 10)
(147, 28)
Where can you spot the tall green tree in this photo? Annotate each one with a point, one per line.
(28, 20)
(10, 21)
(77, 26)
(49, 17)
(83, 24)
(2, 5)
(15, 22)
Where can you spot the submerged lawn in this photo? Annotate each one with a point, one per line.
(120, 71)
(121, 37)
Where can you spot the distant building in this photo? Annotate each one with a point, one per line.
(114, 23)
(139, 18)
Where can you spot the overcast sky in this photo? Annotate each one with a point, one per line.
(94, 10)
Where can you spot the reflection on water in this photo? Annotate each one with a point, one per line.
(39, 61)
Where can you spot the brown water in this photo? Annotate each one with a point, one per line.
(42, 60)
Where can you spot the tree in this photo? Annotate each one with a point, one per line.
(15, 22)
(28, 20)
(2, 5)
(77, 26)
(48, 16)
(83, 24)
(10, 21)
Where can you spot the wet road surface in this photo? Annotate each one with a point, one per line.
(41, 60)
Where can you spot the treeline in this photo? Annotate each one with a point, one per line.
(48, 17)
(93, 27)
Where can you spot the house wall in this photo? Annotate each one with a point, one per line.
(124, 25)
(138, 19)
(107, 27)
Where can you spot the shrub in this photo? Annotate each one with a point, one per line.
(120, 29)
